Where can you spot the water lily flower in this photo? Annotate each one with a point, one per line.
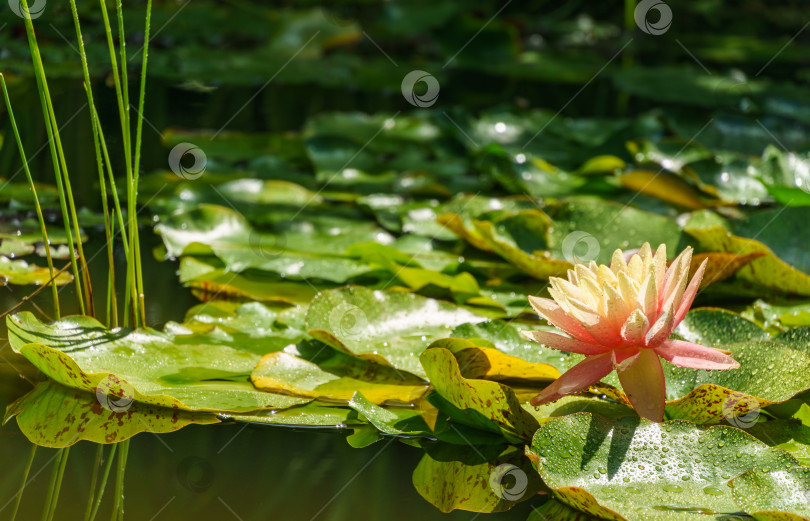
(620, 317)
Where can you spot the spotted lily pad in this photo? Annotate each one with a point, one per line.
(711, 397)
(143, 364)
(56, 416)
(452, 477)
(634, 469)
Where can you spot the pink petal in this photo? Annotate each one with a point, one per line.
(578, 378)
(643, 383)
(552, 312)
(603, 332)
(572, 345)
(696, 356)
(689, 294)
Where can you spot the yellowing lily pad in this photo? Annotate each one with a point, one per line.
(768, 269)
(21, 272)
(483, 404)
(283, 372)
(457, 478)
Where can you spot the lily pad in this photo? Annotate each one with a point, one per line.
(778, 495)
(776, 236)
(52, 415)
(452, 478)
(297, 252)
(398, 421)
(21, 272)
(601, 227)
(146, 365)
(284, 372)
(386, 327)
(711, 397)
(631, 468)
(210, 279)
(483, 404)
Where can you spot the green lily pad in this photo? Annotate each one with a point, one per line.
(591, 229)
(483, 404)
(518, 236)
(12, 248)
(791, 436)
(711, 397)
(776, 495)
(248, 327)
(148, 366)
(506, 337)
(386, 327)
(312, 414)
(298, 252)
(783, 266)
(53, 415)
(631, 468)
(209, 279)
(398, 421)
(779, 316)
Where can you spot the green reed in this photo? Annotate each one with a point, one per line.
(114, 216)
